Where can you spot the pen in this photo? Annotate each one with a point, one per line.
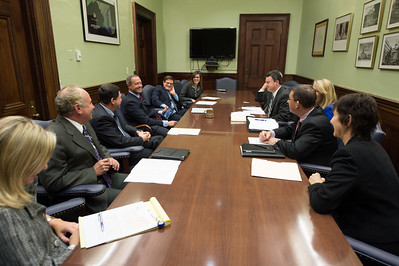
(100, 218)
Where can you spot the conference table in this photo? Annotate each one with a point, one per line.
(220, 214)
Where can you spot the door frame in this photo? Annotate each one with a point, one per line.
(244, 18)
(138, 10)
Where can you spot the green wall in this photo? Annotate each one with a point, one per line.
(339, 67)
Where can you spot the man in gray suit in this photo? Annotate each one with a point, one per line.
(79, 158)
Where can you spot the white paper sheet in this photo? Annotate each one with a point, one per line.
(184, 131)
(210, 98)
(206, 102)
(262, 123)
(276, 170)
(197, 110)
(254, 110)
(239, 116)
(158, 171)
(255, 140)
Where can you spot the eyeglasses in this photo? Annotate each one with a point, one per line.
(168, 83)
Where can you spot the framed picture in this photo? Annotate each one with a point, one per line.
(100, 21)
(372, 16)
(393, 19)
(366, 48)
(390, 52)
(319, 38)
(342, 32)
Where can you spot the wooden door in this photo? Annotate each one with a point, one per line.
(145, 51)
(29, 76)
(262, 47)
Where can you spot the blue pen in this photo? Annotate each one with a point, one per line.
(100, 218)
(260, 119)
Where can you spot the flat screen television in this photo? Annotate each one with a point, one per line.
(216, 42)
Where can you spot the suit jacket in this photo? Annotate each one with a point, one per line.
(361, 192)
(161, 96)
(139, 112)
(108, 132)
(280, 108)
(314, 141)
(188, 92)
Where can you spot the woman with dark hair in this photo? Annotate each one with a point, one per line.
(362, 189)
(193, 89)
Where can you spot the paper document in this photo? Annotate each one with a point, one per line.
(254, 110)
(276, 170)
(239, 116)
(199, 110)
(206, 102)
(210, 98)
(158, 171)
(184, 131)
(106, 226)
(255, 140)
(262, 124)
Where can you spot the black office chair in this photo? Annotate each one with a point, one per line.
(178, 85)
(226, 83)
(184, 82)
(290, 84)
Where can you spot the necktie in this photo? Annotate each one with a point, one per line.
(298, 125)
(124, 133)
(141, 98)
(269, 107)
(106, 177)
(172, 104)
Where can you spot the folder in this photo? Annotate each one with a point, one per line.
(256, 124)
(118, 223)
(260, 150)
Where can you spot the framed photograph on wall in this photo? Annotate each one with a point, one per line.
(342, 32)
(319, 38)
(393, 19)
(366, 48)
(372, 16)
(100, 21)
(390, 51)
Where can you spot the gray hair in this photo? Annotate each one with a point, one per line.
(129, 79)
(67, 98)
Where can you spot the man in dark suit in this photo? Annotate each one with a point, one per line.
(113, 132)
(274, 97)
(309, 140)
(137, 111)
(166, 97)
(79, 158)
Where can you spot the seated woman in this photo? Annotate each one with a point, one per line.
(362, 189)
(29, 236)
(193, 89)
(326, 96)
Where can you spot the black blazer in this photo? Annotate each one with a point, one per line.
(280, 108)
(108, 132)
(314, 141)
(161, 96)
(361, 192)
(188, 92)
(138, 112)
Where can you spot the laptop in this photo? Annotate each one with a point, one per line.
(170, 153)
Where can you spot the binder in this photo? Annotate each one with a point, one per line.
(170, 153)
(263, 150)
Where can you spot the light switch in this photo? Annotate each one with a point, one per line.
(78, 56)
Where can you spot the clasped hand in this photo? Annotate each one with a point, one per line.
(102, 166)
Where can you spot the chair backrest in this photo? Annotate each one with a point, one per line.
(226, 83)
(290, 84)
(43, 123)
(378, 134)
(183, 82)
(147, 93)
(178, 86)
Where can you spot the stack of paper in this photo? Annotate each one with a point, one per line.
(276, 170)
(160, 171)
(239, 116)
(199, 110)
(254, 110)
(121, 222)
(184, 131)
(259, 124)
(206, 102)
(210, 98)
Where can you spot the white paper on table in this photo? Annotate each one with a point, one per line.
(196, 110)
(158, 171)
(262, 123)
(206, 102)
(239, 116)
(210, 98)
(276, 170)
(255, 140)
(184, 131)
(254, 110)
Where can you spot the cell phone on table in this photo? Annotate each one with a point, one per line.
(168, 113)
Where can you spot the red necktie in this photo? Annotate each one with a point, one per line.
(298, 125)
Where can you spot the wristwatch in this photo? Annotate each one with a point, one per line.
(50, 218)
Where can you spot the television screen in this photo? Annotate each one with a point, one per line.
(216, 42)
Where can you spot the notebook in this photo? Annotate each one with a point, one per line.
(170, 153)
(255, 150)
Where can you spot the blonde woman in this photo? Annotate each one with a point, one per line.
(326, 96)
(29, 236)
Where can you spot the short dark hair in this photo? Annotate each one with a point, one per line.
(168, 78)
(129, 79)
(106, 92)
(363, 110)
(305, 94)
(276, 75)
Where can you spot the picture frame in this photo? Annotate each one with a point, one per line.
(372, 16)
(393, 18)
(366, 50)
(390, 52)
(342, 32)
(100, 21)
(319, 38)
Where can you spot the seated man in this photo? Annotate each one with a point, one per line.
(274, 99)
(137, 111)
(166, 97)
(79, 158)
(111, 130)
(310, 140)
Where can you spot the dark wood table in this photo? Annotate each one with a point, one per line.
(220, 214)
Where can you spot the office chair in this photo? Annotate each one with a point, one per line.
(184, 82)
(147, 93)
(226, 83)
(178, 85)
(290, 84)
